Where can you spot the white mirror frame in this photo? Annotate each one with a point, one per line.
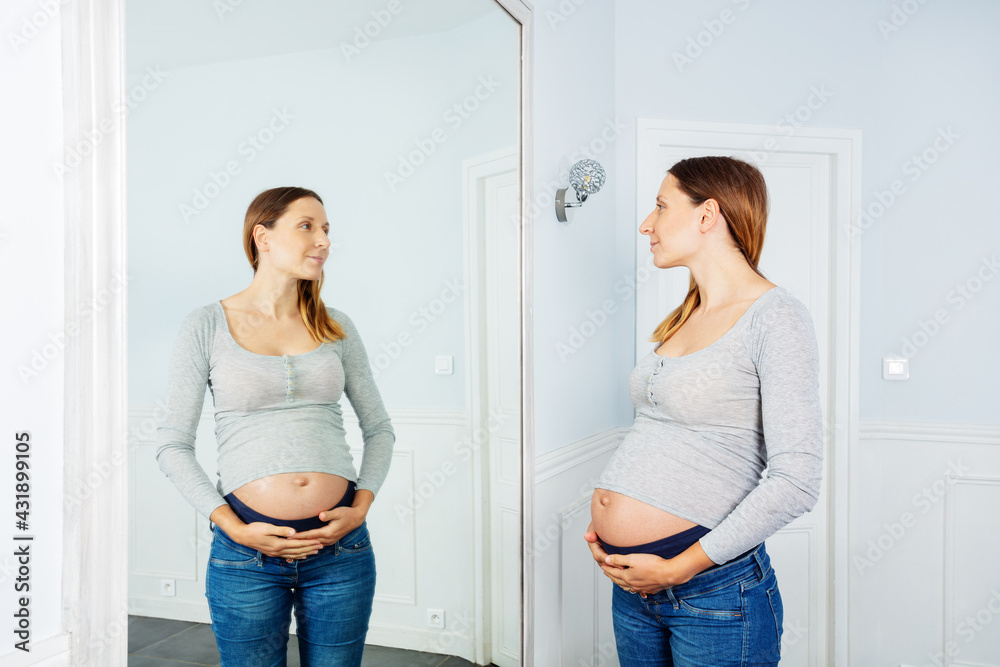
(95, 558)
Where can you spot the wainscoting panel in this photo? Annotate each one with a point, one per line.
(798, 577)
(926, 585)
(971, 572)
(572, 596)
(578, 587)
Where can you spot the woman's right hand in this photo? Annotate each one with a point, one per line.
(272, 541)
(266, 538)
(600, 555)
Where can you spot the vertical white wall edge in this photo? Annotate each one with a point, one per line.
(521, 11)
(95, 547)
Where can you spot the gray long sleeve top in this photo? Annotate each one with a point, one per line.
(273, 414)
(708, 424)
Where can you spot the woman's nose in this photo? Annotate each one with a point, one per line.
(646, 227)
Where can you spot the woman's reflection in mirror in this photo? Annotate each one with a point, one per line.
(288, 512)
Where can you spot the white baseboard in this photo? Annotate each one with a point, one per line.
(415, 639)
(175, 611)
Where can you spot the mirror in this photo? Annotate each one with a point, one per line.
(405, 120)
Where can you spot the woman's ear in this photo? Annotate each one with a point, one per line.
(710, 214)
(260, 238)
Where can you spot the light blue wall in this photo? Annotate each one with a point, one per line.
(575, 265)
(937, 71)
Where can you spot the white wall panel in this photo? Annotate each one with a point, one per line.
(572, 595)
(971, 572)
(925, 548)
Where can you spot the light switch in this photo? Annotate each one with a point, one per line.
(895, 368)
(444, 364)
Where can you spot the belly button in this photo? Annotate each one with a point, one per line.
(300, 481)
(605, 500)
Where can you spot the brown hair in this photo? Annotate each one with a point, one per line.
(741, 193)
(265, 210)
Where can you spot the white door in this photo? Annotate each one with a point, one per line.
(802, 253)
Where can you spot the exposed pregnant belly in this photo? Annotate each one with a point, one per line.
(293, 495)
(623, 521)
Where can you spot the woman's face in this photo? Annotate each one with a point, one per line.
(299, 242)
(672, 227)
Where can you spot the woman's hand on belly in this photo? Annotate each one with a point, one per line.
(594, 542)
(647, 573)
(266, 538)
(275, 541)
(340, 520)
(623, 521)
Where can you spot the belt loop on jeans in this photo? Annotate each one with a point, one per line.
(761, 570)
(672, 597)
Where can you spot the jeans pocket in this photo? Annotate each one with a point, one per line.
(226, 552)
(357, 540)
(763, 618)
(777, 609)
(723, 602)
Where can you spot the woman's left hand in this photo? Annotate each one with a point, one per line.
(636, 573)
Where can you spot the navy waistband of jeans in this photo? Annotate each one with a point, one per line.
(248, 515)
(672, 546)
(668, 547)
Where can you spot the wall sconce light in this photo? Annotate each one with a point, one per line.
(586, 177)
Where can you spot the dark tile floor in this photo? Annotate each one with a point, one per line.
(161, 642)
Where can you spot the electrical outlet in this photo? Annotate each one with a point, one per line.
(168, 587)
(435, 618)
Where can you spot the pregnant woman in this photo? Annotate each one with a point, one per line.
(288, 511)
(729, 388)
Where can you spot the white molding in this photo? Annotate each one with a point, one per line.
(569, 456)
(973, 434)
(846, 469)
(703, 128)
(95, 551)
(50, 651)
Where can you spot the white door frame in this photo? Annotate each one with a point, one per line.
(95, 545)
(473, 172)
(844, 147)
(95, 551)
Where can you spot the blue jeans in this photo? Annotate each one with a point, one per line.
(251, 597)
(727, 616)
